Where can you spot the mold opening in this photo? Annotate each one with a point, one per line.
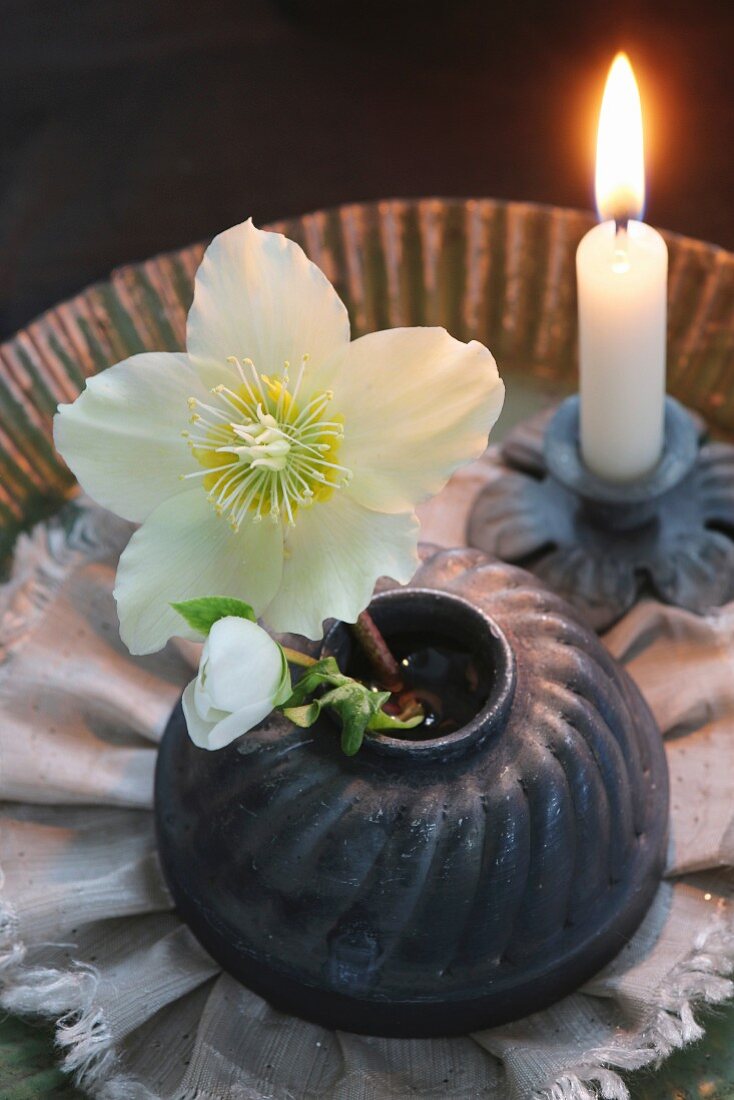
(451, 660)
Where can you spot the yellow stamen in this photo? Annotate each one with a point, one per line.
(263, 453)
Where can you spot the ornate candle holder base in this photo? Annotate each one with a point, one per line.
(603, 545)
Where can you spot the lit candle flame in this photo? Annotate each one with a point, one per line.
(620, 165)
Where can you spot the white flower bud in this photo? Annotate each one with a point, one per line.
(243, 675)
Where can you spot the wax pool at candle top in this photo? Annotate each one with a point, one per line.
(622, 285)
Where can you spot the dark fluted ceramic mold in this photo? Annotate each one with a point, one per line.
(423, 889)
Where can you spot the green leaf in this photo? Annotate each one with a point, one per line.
(353, 702)
(324, 673)
(201, 614)
(352, 734)
(303, 717)
(382, 721)
(359, 707)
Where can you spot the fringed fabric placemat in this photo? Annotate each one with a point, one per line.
(141, 1013)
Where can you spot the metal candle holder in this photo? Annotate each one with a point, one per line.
(602, 545)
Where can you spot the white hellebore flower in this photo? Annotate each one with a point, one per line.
(243, 675)
(275, 461)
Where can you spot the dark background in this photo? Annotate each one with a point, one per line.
(132, 126)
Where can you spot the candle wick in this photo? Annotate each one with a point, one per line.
(621, 260)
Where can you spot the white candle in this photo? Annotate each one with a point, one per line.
(621, 268)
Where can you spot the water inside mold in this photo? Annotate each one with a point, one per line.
(450, 682)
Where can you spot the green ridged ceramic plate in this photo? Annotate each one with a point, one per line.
(502, 273)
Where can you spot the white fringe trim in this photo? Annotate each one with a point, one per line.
(82, 1035)
(701, 979)
(66, 996)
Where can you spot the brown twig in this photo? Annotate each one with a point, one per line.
(374, 646)
(411, 709)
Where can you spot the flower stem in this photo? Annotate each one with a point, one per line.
(375, 649)
(295, 657)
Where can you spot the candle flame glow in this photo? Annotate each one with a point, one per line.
(620, 165)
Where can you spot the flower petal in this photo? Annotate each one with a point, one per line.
(200, 696)
(245, 664)
(258, 296)
(122, 435)
(198, 725)
(334, 555)
(417, 404)
(184, 550)
(227, 728)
